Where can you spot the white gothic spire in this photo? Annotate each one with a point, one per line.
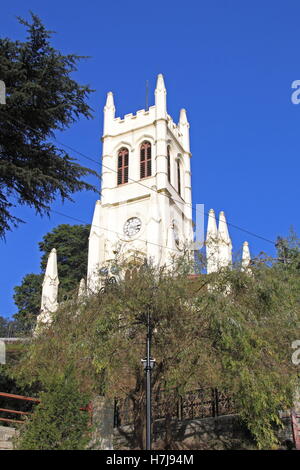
(212, 248)
(224, 242)
(161, 98)
(246, 258)
(109, 112)
(49, 303)
(184, 129)
(212, 232)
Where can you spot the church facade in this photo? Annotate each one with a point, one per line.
(145, 210)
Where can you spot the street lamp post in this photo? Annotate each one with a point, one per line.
(148, 366)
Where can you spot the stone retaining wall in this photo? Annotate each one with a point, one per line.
(6, 436)
(220, 433)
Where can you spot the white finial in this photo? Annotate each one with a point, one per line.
(225, 245)
(49, 303)
(212, 243)
(183, 117)
(223, 229)
(110, 100)
(212, 232)
(51, 268)
(160, 83)
(160, 98)
(184, 129)
(109, 112)
(246, 257)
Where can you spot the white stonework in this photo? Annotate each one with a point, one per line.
(246, 258)
(146, 218)
(225, 245)
(158, 219)
(212, 247)
(82, 289)
(219, 247)
(49, 303)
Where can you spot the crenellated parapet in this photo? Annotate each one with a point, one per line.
(174, 128)
(118, 125)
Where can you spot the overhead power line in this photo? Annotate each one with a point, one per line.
(194, 208)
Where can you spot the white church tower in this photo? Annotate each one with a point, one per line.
(145, 211)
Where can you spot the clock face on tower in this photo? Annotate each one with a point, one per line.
(132, 226)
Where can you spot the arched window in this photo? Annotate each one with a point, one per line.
(169, 164)
(178, 178)
(145, 159)
(131, 273)
(123, 165)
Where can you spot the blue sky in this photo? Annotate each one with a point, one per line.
(229, 63)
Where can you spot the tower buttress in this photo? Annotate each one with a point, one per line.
(184, 129)
(154, 229)
(160, 98)
(108, 173)
(161, 133)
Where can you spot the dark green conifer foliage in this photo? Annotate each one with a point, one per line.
(41, 98)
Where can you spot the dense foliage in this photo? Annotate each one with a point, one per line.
(71, 243)
(57, 423)
(232, 330)
(4, 326)
(27, 298)
(41, 98)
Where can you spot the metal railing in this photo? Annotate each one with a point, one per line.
(17, 412)
(88, 408)
(295, 421)
(196, 404)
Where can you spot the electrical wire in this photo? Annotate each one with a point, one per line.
(253, 234)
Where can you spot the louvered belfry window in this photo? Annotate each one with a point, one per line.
(123, 164)
(145, 159)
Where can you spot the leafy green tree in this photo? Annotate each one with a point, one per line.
(3, 327)
(27, 297)
(57, 422)
(9, 385)
(71, 243)
(8, 327)
(41, 98)
(288, 250)
(231, 330)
